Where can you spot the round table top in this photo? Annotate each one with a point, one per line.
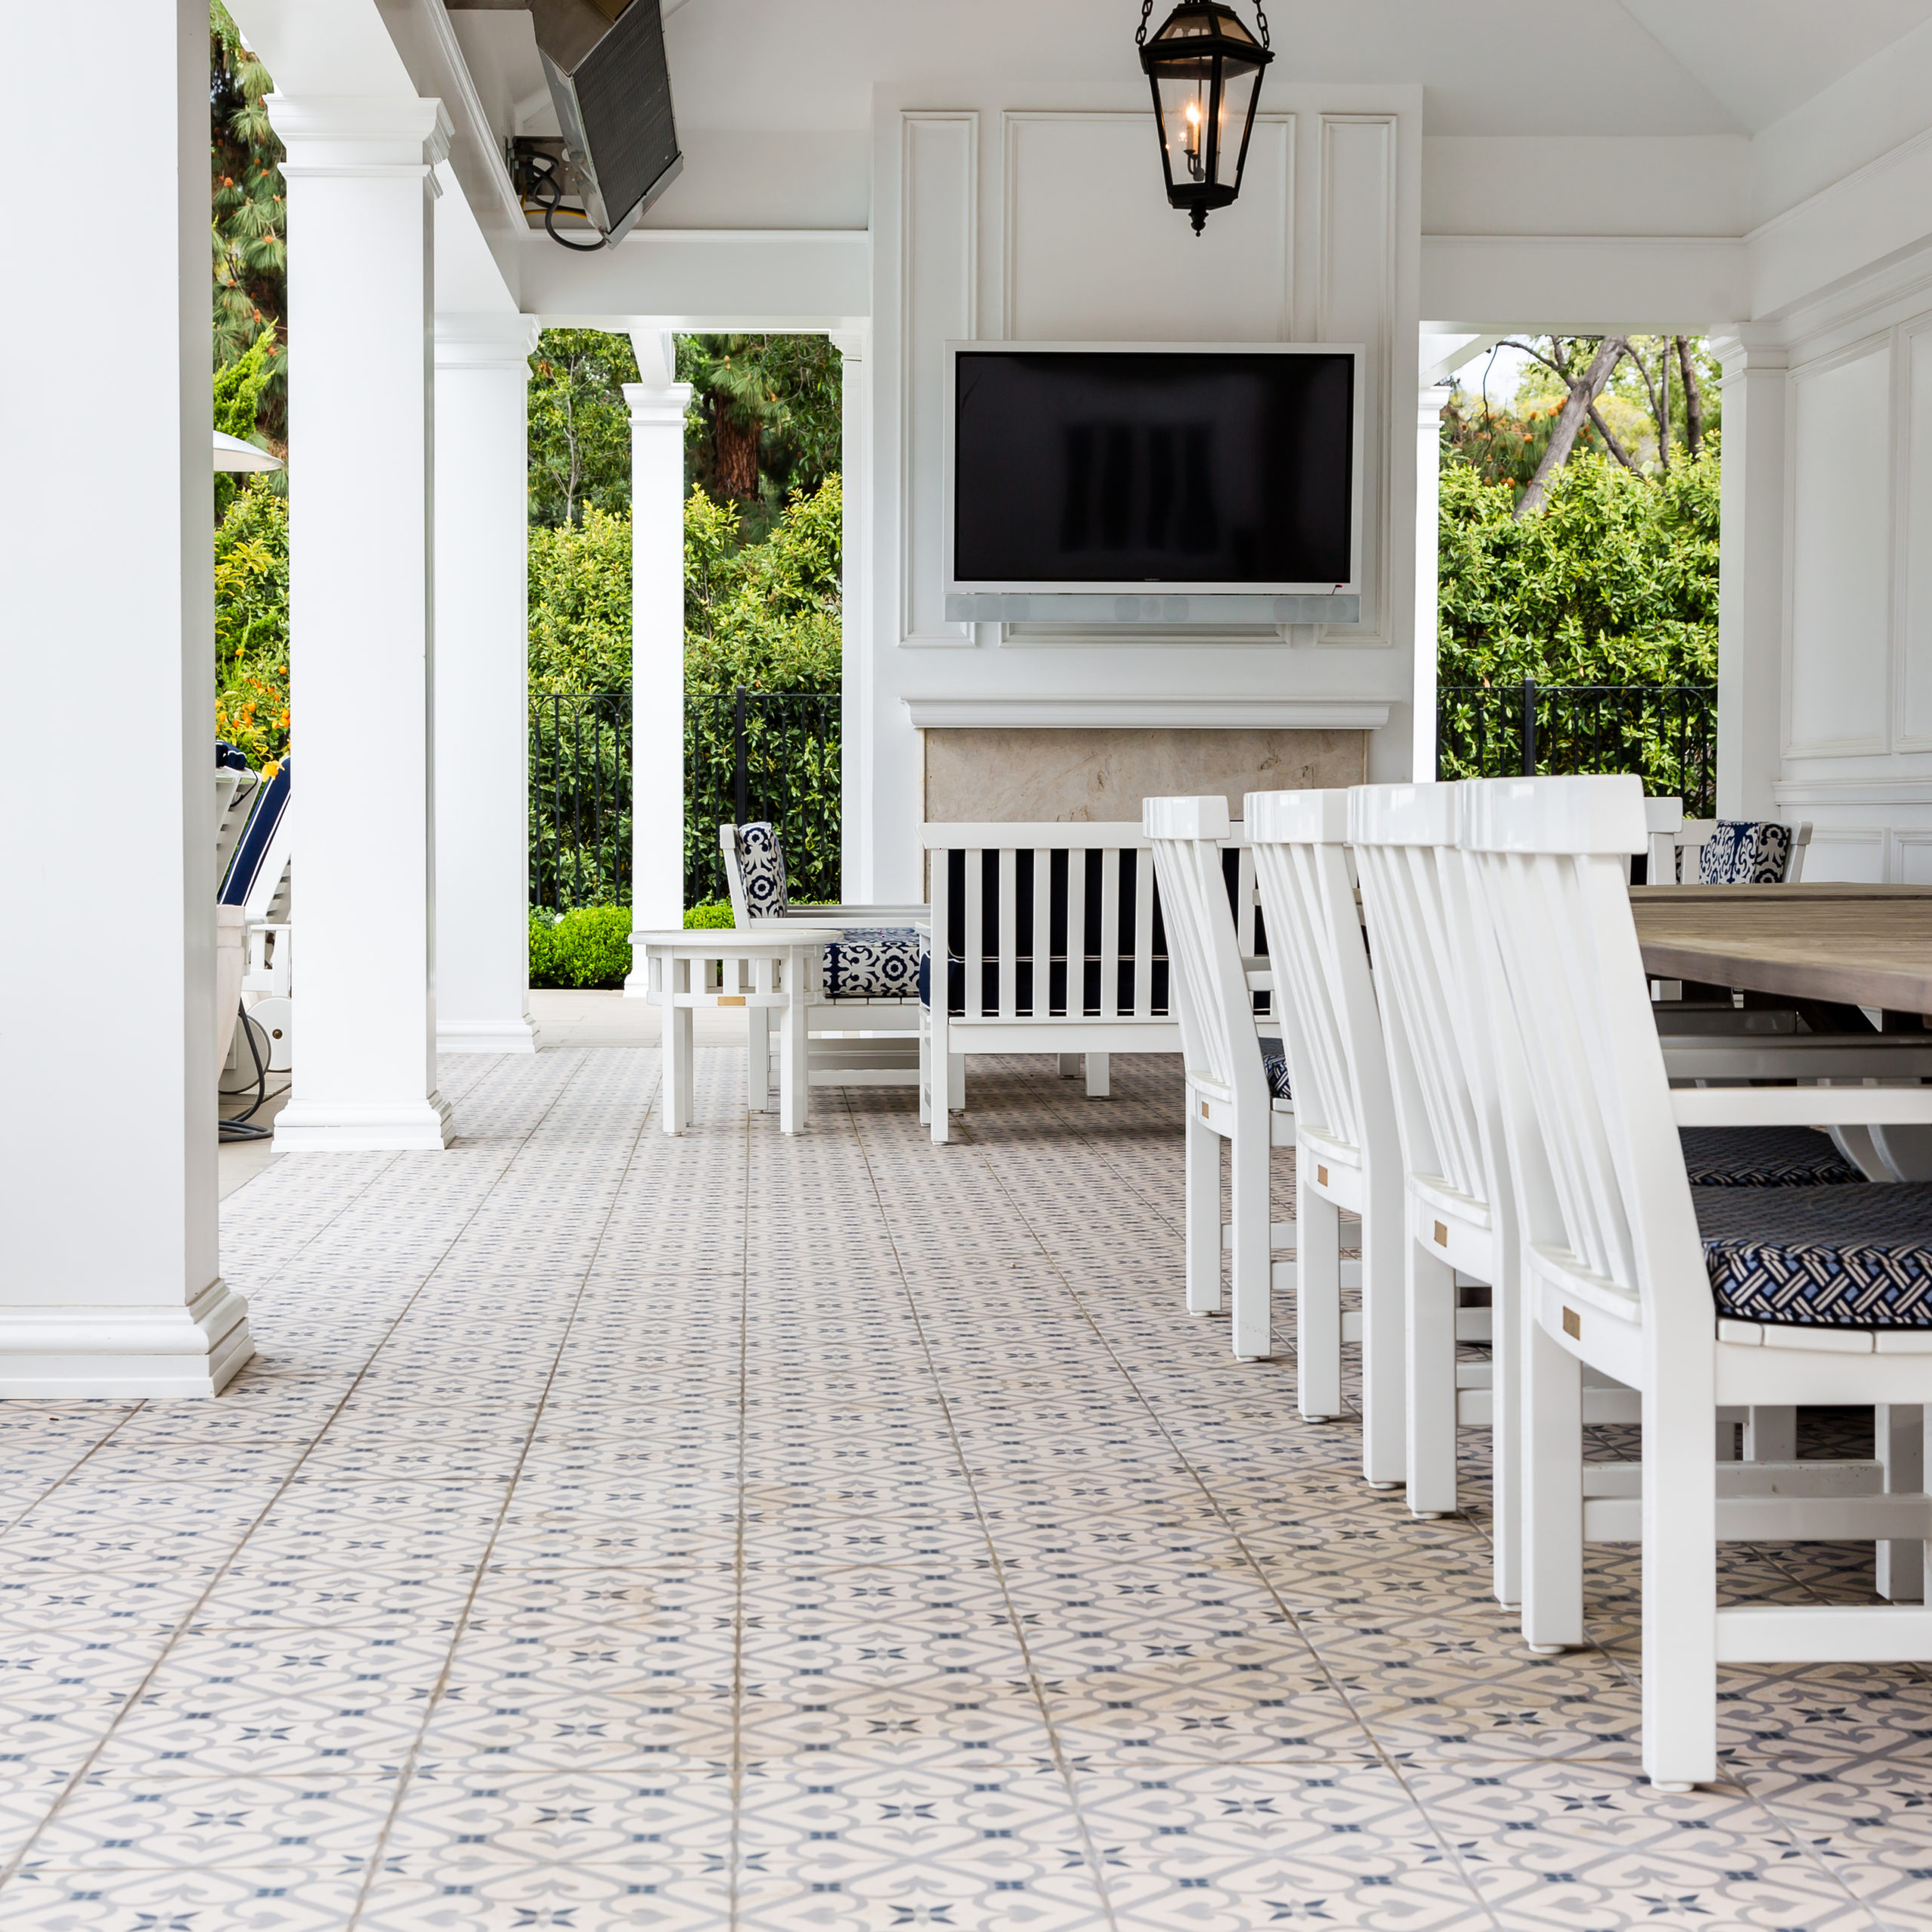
(765, 936)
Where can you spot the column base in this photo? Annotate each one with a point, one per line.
(125, 1353)
(365, 1127)
(488, 1036)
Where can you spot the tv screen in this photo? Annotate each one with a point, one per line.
(1124, 468)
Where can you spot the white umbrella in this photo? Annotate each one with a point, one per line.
(232, 453)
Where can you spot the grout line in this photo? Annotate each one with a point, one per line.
(377, 1852)
(1451, 1852)
(734, 1849)
(12, 1868)
(1095, 1865)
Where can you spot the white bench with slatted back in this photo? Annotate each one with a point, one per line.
(1043, 941)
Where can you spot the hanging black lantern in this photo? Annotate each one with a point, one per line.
(1204, 68)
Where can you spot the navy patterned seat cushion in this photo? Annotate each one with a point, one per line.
(1763, 1157)
(1820, 1257)
(1745, 852)
(875, 962)
(761, 867)
(1275, 1064)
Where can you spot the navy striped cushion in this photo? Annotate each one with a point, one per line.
(1763, 1157)
(1820, 1257)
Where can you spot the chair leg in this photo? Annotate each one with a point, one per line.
(757, 1059)
(1204, 1218)
(1385, 1408)
(936, 1068)
(1250, 1264)
(1505, 1437)
(1899, 1430)
(1069, 1065)
(925, 1071)
(1317, 1301)
(1680, 1590)
(1552, 1472)
(1770, 1434)
(1097, 1084)
(1431, 1300)
(677, 1068)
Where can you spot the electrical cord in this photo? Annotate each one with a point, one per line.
(548, 189)
(236, 1127)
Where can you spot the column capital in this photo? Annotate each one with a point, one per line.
(851, 343)
(354, 135)
(493, 341)
(1748, 348)
(651, 404)
(1431, 401)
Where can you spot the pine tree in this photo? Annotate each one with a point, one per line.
(251, 254)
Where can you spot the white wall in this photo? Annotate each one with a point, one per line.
(1015, 216)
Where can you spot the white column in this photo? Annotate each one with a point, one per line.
(1751, 575)
(482, 705)
(657, 406)
(1429, 505)
(107, 1280)
(361, 189)
(856, 694)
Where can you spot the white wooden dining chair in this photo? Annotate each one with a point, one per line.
(1728, 851)
(1773, 1300)
(1232, 1095)
(1346, 1153)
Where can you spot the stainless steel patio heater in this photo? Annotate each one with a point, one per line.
(1204, 68)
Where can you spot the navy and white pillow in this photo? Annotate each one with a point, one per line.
(1820, 1257)
(761, 870)
(875, 962)
(1745, 852)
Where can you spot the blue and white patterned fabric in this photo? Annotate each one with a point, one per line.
(1745, 852)
(1763, 1157)
(875, 962)
(1820, 1257)
(1275, 1064)
(761, 869)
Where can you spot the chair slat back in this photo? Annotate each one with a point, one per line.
(1047, 921)
(1414, 904)
(1324, 997)
(1592, 1138)
(1186, 838)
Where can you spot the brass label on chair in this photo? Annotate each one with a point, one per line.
(1204, 1110)
(731, 999)
(1441, 1235)
(1321, 1176)
(1572, 1325)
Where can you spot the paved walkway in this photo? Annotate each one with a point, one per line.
(617, 1531)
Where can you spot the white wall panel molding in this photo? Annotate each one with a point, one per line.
(1355, 302)
(1912, 592)
(1850, 855)
(1585, 284)
(1082, 262)
(1150, 711)
(1858, 792)
(1839, 458)
(938, 303)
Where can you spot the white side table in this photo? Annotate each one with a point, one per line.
(777, 965)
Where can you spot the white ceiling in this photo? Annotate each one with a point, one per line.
(1487, 66)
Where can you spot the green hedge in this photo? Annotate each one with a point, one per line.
(590, 947)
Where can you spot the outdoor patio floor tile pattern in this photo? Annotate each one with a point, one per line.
(623, 1531)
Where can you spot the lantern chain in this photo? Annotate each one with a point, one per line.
(1147, 9)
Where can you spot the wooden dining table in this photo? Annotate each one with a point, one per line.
(1848, 946)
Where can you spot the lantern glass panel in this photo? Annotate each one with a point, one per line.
(1239, 82)
(1186, 101)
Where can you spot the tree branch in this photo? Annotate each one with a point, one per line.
(1693, 400)
(1610, 441)
(1584, 391)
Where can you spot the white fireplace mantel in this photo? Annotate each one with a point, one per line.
(1110, 711)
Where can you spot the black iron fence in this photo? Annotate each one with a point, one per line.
(579, 800)
(1666, 734)
(748, 754)
(763, 754)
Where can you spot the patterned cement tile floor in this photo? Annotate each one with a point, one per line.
(617, 1531)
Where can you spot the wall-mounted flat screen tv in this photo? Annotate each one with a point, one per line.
(1096, 467)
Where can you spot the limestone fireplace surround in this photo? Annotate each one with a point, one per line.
(1074, 761)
